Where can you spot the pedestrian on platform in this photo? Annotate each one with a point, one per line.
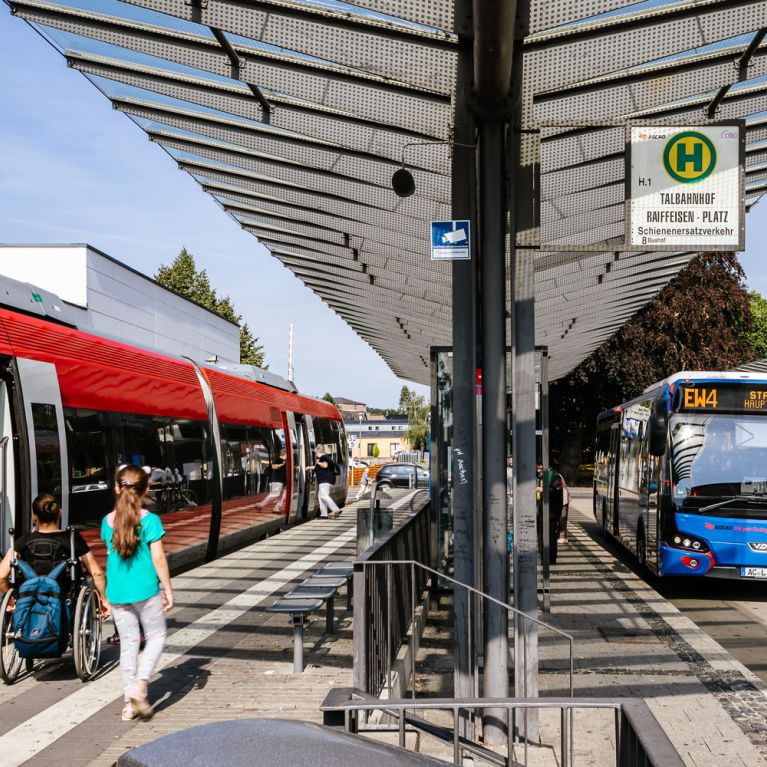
(46, 518)
(138, 585)
(326, 478)
(364, 484)
(555, 483)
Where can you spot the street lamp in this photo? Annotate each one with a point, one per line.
(360, 417)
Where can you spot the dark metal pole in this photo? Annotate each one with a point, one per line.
(492, 214)
(464, 361)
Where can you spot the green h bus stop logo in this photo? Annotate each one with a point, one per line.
(689, 157)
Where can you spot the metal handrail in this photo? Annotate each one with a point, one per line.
(639, 738)
(509, 608)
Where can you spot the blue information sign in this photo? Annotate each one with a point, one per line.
(450, 241)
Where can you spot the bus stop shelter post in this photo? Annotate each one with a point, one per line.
(546, 461)
(492, 213)
(523, 172)
(464, 364)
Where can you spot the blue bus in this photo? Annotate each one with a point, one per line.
(680, 475)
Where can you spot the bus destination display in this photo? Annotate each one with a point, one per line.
(728, 398)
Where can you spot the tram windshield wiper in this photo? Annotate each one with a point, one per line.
(734, 499)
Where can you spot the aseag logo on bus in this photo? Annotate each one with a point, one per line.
(689, 157)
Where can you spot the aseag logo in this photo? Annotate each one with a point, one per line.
(689, 157)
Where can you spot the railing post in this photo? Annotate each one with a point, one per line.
(360, 675)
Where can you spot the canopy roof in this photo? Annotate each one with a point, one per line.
(293, 115)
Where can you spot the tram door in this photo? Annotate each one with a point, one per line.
(310, 499)
(44, 420)
(296, 467)
(7, 468)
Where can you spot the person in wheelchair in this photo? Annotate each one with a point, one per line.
(47, 546)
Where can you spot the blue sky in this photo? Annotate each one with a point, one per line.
(74, 170)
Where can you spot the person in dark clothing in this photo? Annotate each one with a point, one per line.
(48, 545)
(326, 478)
(556, 497)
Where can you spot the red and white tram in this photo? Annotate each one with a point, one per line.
(229, 455)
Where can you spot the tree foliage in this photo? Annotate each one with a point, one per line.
(328, 397)
(700, 321)
(757, 336)
(417, 410)
(183, 277)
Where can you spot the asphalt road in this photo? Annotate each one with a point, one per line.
(733, 613)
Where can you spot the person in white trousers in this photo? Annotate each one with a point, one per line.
(326, 478)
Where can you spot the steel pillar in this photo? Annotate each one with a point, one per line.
(464, 366)
(493, 216)
(546, 461)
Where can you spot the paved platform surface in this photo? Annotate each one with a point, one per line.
(227, 659)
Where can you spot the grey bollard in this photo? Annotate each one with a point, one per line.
(269, 743)
(298, 644)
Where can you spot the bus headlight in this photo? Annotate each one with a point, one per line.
(689, 542)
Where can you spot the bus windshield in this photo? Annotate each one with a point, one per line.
(718, 456)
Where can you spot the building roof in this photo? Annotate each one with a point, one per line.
(293, 115)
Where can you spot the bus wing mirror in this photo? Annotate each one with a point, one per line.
(657, 429)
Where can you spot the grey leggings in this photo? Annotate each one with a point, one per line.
(149, 614)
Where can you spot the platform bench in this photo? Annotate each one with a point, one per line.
(298, 609)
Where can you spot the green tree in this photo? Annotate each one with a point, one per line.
(183, 277)
(700, 321)
(417, 410)
(376, 451)
(758, 333)
(328, 397)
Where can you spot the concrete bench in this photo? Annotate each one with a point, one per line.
(298, 609)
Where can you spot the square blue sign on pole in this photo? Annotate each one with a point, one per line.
(450, 241)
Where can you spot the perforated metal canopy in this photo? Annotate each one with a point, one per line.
(293, 115)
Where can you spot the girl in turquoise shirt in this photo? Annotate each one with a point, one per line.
(138, 586)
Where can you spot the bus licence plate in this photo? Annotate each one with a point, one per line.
(753, 572)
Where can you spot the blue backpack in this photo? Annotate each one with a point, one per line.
(40, 619)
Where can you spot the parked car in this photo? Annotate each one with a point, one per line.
(401, 475)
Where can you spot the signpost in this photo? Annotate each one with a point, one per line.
(685, 187)
(450, 241)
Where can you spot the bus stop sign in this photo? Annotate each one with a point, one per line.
(686, 187)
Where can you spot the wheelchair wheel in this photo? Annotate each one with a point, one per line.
(10, 660)
(86, 633)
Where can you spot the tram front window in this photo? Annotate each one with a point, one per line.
(718, 456)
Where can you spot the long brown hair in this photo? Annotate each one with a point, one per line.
(132, 482)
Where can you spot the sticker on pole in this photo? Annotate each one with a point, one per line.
(450, 241)
(686, 187)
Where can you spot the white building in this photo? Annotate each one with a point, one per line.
(111, 299)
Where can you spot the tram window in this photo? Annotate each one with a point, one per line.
(141, 441)
(86, 442)
(190, 455)
(260, 450)
(234, 442)
(327, 438)
(47, 448)
(279, 453)
(90, 487)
